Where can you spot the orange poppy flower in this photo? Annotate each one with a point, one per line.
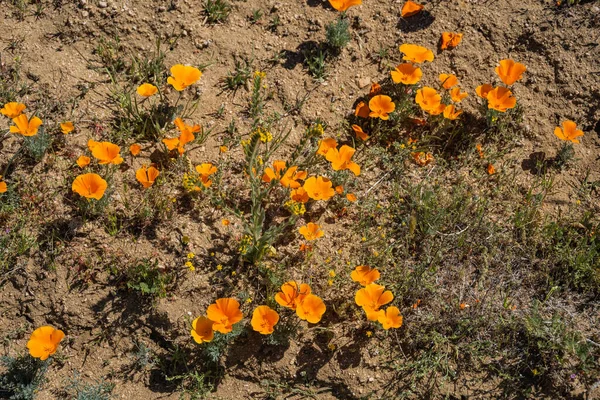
(457, 96)
(44, 341)
(430, 101)
(12, 109)
(375, 89)
(223, 149)
(351, 197)
(410, 8)
(183, 76)
(391, 318)
(415, 53)
(290, 296)
(364, 275)
(371, 298)
(205, 171)
(83, 161)
(319, 188)
(270, 174)
(224, 313)
(362, 110)
(451, 113)
(135, 149)
(448, 80)
(311, 309)
(407, 74)
(91, 186)
(146, 176)
(479, 149)
(341, 159)
(343, 5)
(299, 195)
(202, 330)
(381, 106)
(92, 143)
(569, 132)
(359, 132)
(510, 71)
(311, 231)
(3, 186)
(147, 90)
(501, 99)
(25, 126)
(187, 131)
(490, 169)
(264, 319)
(67, 127)
(325, 145)
(450, 40)
(291, 177)
(339, 189)
(422, 158)
(106, 153)
(225, 222)
(483, 90)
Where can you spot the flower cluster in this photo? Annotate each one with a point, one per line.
(373, 296)
(501, 98)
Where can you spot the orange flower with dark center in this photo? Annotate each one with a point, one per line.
(483, 90)
(202, 330)
(311, 309)
(362, 110)
(364, 275)
(291, 296)
(415, 53)
(224, 313)
(325, 145)
(359, 132)
(205, 171)
(12, 109)
(319, 188)
(448, 80)
(3, 186)
(569, 132)
(291, 177)
(147, 90)
(90, 186)
(371, 298)
(83, 161)
(25, 126)
(183, 76)
(271, 174)
(510, 71)
(343, 5)
(381, 106)
(311, 231)
(430, 101)
(44, 341)
(391, 318)
(407, 74)
(410, 8)
(299, 195)
(457, 96)
(450, 40)
(341, 159)
(146, 176)
(375, 89)
(501, 99)
(67, 127)
(264, 319)
(451, 113)
(106, 153)
(135, 149)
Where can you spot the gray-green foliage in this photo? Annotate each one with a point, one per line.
(22, 377)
